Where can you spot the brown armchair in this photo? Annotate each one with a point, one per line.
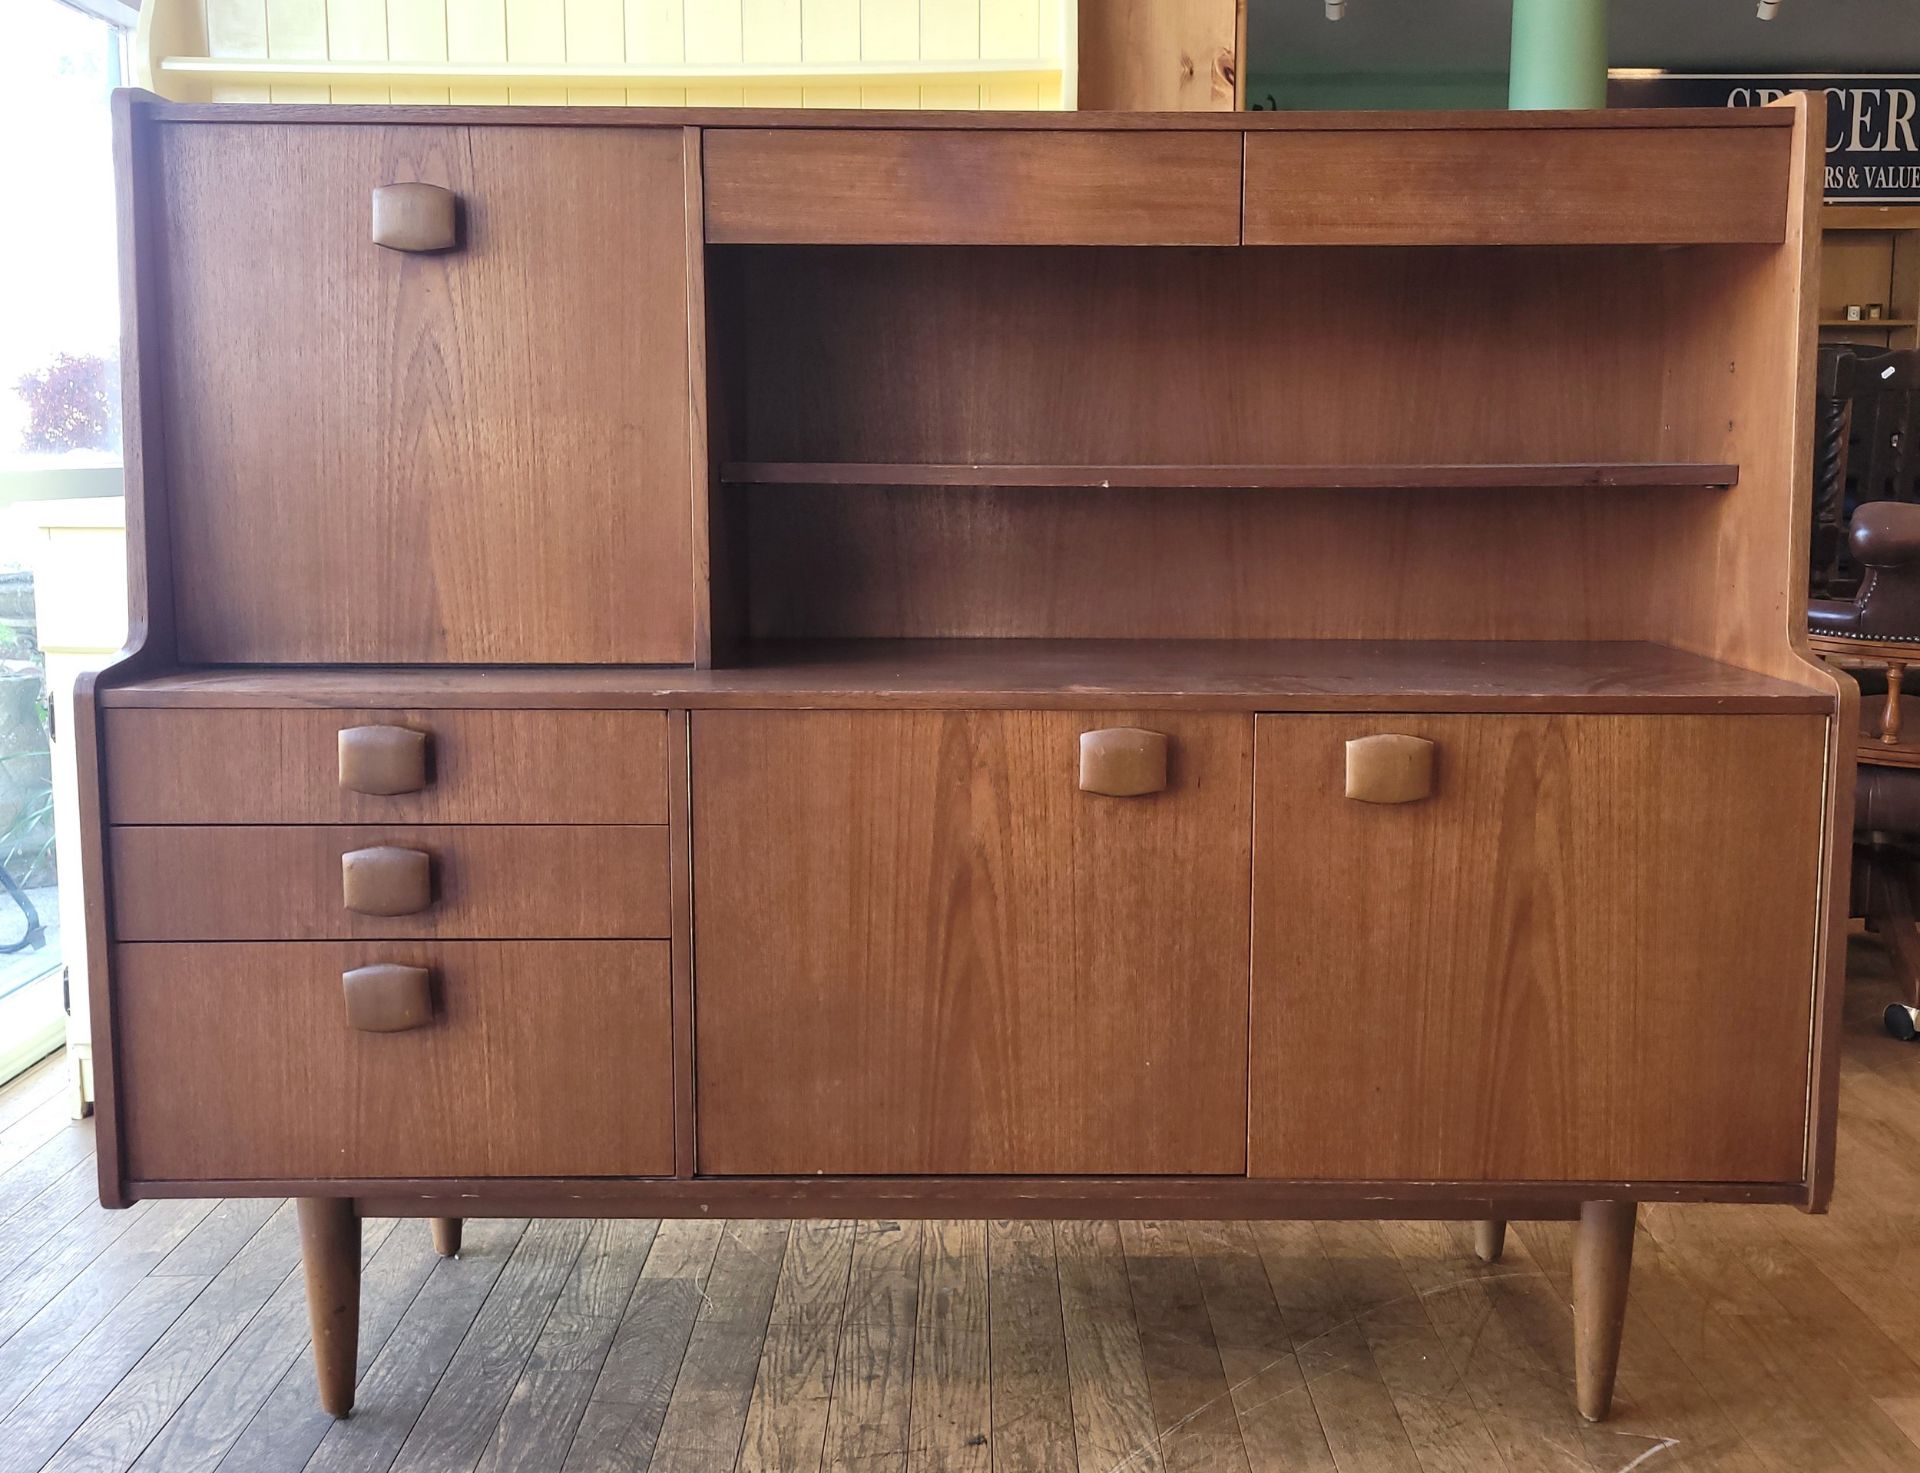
(1885, 542)
(1876, 634)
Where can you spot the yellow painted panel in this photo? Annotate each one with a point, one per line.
(769, 30)
(536, 32)
(949, 97)
(715, 32)
(477, 32)
(417, 31)
(296, 28)
(950, 31)
(769, 53)
(770, 36)
(1060, 37)
(357, 31)
(656, 33)
(830, 32)
(596, 32)
(890, 31)
(1012, 28)
(237, 28)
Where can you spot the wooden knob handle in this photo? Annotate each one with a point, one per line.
(1123, 761)
(387, 998)
(383, 760)
(415, 217)
(1389, 768)
(386, 881)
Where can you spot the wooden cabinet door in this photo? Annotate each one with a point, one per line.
(921, 948)
(1587, 956)
(477, 455)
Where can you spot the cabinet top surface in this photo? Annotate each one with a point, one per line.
(828, 118)
(1273, 675)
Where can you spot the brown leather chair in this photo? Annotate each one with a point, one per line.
(1884, 542)
(1876, 633)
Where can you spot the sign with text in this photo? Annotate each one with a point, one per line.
(1873, 122)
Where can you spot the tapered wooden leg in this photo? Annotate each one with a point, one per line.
(330, 1249)
(1489, 1239)
(1602, 1259)
(446, 1235)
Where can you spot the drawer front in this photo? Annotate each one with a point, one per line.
(338, 882)
(385, 455)
(960, 187)
(1600, 186)
(284, 766)
(1534, 948)
(971, 942)
(548, 1058)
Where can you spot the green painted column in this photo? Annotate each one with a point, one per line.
(1559, 54)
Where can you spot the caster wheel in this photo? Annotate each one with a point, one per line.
(1902, 1021)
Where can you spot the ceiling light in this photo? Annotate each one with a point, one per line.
(1769, 9)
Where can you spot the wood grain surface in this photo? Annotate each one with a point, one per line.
(1133, 358)
(277, 883)
(281, 765)
(919, 948)
(1150, 55)
(1535, 972)
(1468, 187)
(474, 456)
(1240, 674)
(510, 1078)
(971, 188)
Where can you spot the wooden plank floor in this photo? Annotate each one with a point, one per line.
(172, 1336)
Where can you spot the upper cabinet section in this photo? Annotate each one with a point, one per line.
(883, 186)
(412, 452)
(1589, 184)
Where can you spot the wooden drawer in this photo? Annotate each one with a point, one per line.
(1585, 955)
(962, 187)
(1517, 186)
(547, 1058)
(262, 883)
(258, 765)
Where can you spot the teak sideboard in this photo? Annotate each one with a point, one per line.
(1009, 665)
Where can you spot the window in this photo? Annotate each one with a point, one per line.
(62, 556)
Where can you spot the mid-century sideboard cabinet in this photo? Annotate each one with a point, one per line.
(979, 664)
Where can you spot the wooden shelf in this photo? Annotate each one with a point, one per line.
(1874, 324)
(1234, 477)
(250, 70)
(1252, 675)
(1870, 217)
